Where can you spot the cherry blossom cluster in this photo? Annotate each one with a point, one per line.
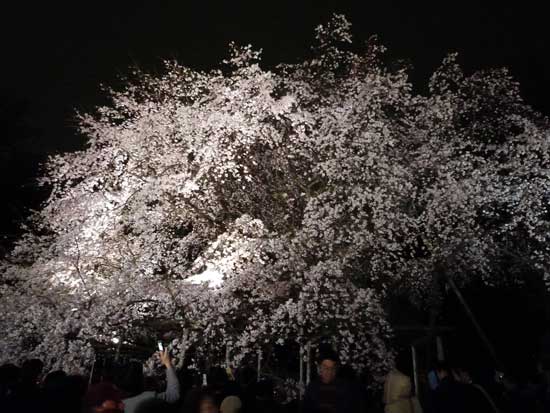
(243, 208)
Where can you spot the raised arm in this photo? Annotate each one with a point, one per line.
(172, 392)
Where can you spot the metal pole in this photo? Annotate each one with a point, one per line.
(301, 370)
(91, 374)
(117, 355)
(415, 370)
(227, 356)
(184, 340)
(308, 365)
(259, 364)
(439, 346)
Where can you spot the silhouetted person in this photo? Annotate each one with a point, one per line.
(54, 391)
(218, 384)
(473, 397)
(398, 387)
(246, 379)
(526, 389)
(328, 394)
(154, 406)
(27, 393)
(75, 387)
(9, 380)
(446, 397)
(103, 398)
(193, 394)
(207, 404)
(264, 398)
(231, 404)
(136, 392)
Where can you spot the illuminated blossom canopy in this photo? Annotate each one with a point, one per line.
(244, 208)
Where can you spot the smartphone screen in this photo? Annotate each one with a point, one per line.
(161, 347)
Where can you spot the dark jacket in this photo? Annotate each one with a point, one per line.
(448, 397)
(336, 397)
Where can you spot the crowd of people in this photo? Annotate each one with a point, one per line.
(127, 389)
(450, 389)
(461, 387)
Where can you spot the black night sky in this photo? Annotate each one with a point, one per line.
(56, 54)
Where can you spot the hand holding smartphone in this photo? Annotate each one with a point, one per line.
(164, 355)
